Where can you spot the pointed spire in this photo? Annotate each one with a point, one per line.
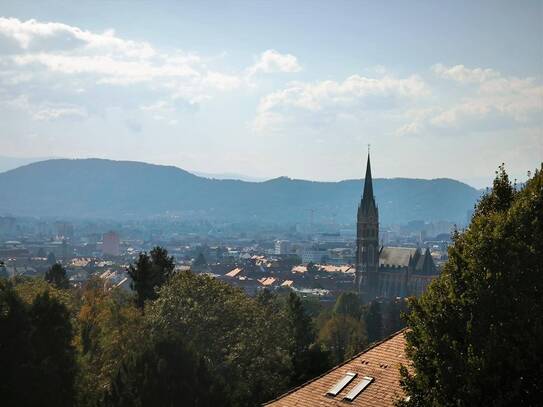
(368, 183)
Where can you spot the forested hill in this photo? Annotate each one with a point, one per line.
(124, 189)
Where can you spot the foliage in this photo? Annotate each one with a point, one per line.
(149, 273)
(200, 262)
(308, 359)
(36, 355)
(164, 373)
(110, 327)
(373, 319)
(230, 330)
(349, 304)
(343, 336)
(56, 275)
(475, 335)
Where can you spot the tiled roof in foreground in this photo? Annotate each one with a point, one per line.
(380, 362)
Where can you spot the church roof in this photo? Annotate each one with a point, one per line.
(396, 256)
(380, 363)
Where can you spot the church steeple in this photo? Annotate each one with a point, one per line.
(367, 236)
(368, 184)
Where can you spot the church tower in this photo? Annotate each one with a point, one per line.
(367, 236)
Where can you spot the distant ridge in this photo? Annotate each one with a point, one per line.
(92, 188)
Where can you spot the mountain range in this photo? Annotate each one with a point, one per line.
(98, 188)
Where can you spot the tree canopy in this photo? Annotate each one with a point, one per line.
(476, 335)
(56, 275)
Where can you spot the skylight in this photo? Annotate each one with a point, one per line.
(345, 380)
(359, 388)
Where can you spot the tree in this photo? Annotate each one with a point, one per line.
(373, 319)
(165, 373)
(110, 327)
(343, 336)
(150, 273)
(36, 355)
(475, 335)
(54, 356)
(200, 262)
(244, 346)
(308, 359)
(349, 304)
(163, 265)
(56, 275)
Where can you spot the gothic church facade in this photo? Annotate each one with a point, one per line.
(386, 272)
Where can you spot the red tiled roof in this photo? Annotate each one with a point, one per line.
(381, 362)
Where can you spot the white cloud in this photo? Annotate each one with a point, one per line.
(271, 61)
(489, 100)
(45, 111)
(56, 60)
(331, 99)
(460, 73)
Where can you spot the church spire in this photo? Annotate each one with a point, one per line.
(368, 182)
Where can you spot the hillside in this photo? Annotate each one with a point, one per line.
(123, 189)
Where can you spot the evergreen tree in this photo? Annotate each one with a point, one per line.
(149, 273)
(476, 335)
(163, 265)
(143, 279)
(56, 275)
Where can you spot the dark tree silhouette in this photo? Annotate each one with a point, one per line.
(56, 275)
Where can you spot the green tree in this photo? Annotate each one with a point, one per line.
(56, 275)
(373, 319)
(149, 273)
(476, 335)
(232, 331)
(36, 355)
(164, 373)
(163, 265)
(343, 336)
(51, 337)
(200, 262)
(110, 327)
(349, 304)
(308, 359)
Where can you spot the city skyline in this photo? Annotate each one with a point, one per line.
(263, 91)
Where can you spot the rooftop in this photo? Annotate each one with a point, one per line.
(375, 371)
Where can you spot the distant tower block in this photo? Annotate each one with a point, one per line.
(110, 244)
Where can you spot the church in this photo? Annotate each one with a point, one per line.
(386, 272)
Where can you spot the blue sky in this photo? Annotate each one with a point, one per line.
(439, 89)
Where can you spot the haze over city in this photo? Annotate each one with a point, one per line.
(262, 90)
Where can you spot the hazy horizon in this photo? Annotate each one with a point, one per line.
(11, 163)
(294, 89)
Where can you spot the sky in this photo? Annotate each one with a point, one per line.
(266, 89)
